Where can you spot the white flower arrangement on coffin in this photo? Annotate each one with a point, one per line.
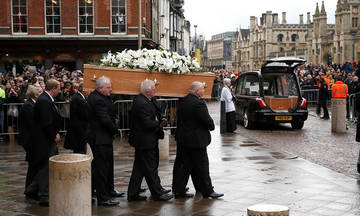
(152, 60)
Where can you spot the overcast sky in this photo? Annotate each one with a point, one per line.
(214, 16)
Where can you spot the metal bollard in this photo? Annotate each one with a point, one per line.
(338, 115)
(70, 185)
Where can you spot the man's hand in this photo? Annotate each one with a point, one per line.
(163, 122)
(57, 139)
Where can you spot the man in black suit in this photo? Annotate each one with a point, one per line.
(103, 126)
(146, 128)
(193, 137)
(48, 119)
(27, 134)
(76, 137)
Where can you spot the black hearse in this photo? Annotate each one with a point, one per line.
(271, 95)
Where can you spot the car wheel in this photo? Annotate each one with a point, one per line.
(297, 124)
(247, 121)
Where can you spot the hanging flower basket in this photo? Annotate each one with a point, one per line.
(170, 71)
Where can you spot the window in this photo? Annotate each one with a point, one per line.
(280, 37)
(354, 22)
(118, 16)
(280, 85)
(52, 8)
(239, 85)
(86, 16)
(19, 16)
(251, 86)
(294, 37)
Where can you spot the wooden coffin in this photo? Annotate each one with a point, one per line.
(281, 103)
(127, 81)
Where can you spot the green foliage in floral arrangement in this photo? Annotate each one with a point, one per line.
(152, 60)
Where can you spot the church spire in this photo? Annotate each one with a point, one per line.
(323, 12)
(317, 12)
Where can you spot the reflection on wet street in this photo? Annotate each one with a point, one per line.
(247, 171)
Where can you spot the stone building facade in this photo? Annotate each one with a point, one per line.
(220, 51)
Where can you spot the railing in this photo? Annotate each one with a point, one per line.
(312, 95)
(11, 112)
(352, 108)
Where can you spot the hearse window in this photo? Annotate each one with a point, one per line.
(239, 85)
(282, 85)
(251, 86)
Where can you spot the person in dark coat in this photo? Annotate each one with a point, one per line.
(76, 137)
(103, 127)
(323, 96)
(48, 119)
(356, 91)
(27, 134)
(193, 137)
(145, 130)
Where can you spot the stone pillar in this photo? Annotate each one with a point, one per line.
(338, 115)
(164, 146)
(70, 185)
(268, 210)
(222, 117)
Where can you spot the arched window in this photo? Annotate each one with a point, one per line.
(294, 37)
(280, 37)
(281, 49)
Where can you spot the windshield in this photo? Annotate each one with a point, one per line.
(281, 85)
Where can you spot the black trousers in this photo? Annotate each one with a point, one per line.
(103, 171)
(323, 104)
(230, 121)
(30, 175)
(145, 165)
(194, 162)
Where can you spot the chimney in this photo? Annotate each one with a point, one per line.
(275, 18)
(301, 19)
(308, 18)
(283, 18)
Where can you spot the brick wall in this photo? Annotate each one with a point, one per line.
(69, 17)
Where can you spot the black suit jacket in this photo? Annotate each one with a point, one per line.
(48, 122)
(27, 126)
(194, 123)
(76, 137)
(102, 119)
(144, 126)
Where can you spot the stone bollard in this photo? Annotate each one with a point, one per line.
(338, 115)
(268, 210)
(222, 117)
(70, 185)
(164, 146)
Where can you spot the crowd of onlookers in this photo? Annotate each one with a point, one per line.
(13, 88)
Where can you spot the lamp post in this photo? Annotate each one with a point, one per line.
(195, 26)
(139, 28)
(353, 33)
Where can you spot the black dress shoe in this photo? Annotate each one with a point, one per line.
(187, 189)
(325, 118)
(164, 197)
(214, 195)
(136, 198)
(44, 202)
(183, 195)
(108, 203)
(142, 190)
(116, 193)
(165, 191)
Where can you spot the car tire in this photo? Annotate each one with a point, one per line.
(247, 120)
(297, 125)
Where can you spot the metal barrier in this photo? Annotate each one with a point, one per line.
(168, 107)
(312, 95)
(11, 111)
(352, 108)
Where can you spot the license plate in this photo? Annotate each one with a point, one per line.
(283, 118)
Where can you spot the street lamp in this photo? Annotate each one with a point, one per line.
(195, 26)
(353, 33)
(139, 28)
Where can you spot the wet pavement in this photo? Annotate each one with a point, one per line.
(243, 166)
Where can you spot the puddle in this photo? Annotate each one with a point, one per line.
(230, 158)
(265, 162)
(259, 158)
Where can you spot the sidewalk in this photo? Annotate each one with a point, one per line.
(247, 172)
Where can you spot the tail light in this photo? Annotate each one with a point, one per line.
(261, 102)
(303, 103)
